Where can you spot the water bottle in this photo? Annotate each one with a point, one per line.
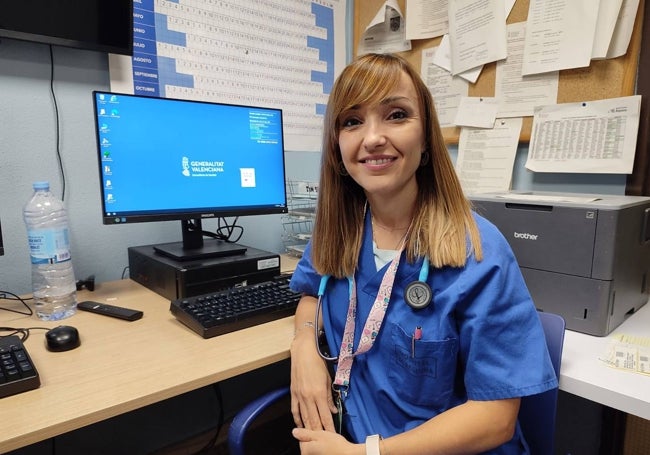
(53, 281)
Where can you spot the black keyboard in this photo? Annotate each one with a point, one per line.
(237, 308)
(17, 371)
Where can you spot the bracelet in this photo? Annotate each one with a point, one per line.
(307, 324)
(372, 444)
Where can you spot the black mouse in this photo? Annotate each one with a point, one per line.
(62, 338)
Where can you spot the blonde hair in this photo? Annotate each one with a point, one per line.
(443, 227)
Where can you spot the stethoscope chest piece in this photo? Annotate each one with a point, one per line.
(418, 294)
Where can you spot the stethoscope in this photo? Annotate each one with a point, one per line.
(418, 295)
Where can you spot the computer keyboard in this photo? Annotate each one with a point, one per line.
(237, 308)
(17, 371)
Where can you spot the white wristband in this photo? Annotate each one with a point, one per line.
(372, 444)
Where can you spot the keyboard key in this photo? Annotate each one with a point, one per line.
(17, 371)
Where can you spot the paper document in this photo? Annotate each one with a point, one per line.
(607, 17)
(386, 32)
(447, 90)
(559, 34)
(479, 112)
(477, 31)
(443, 60)
(283, 57)
(588, 137)
(426, 19)
(486, 157)
(623, 30)
(518, 95)
(508, 7)
(629, 353)
(443, 54)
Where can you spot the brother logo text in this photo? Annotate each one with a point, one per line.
(525, 236)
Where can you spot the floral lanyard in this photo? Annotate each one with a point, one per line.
(370, 329)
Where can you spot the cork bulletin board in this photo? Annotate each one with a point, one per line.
(601, 80)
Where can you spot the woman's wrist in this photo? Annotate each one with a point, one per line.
(309, 325)
(304, 333)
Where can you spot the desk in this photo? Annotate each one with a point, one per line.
(122, 366)
(584, 375)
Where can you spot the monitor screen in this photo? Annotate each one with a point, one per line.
(170, 159)
(102, 25)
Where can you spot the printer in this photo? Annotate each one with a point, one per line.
(583, 256)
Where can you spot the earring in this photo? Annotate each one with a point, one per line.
(424, 158)
(342, 170)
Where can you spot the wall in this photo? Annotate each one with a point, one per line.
(28, 154)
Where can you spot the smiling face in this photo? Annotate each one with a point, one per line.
(381, 142)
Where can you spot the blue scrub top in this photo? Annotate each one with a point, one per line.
(481, 339)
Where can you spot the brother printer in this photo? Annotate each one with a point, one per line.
(583, 256)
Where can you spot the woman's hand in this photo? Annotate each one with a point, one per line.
(312, 405)
(324, 442)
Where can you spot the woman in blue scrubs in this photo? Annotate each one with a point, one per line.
(429, 327)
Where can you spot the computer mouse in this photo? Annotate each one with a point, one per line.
(62, 338)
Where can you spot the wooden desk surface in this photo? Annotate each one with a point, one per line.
(121, 366)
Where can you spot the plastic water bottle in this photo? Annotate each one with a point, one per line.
(53, 281)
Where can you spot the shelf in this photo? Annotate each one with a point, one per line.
(297, 225)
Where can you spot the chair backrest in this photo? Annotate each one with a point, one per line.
(245, 417)
(537, 412)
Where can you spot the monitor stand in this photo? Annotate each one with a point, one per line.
(195, 247)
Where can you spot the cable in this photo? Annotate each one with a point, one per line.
(23, 331)
(3, 296)
(226, 230)
(211, 443)
(230, 229)
(56, 120)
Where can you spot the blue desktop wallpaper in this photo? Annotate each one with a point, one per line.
(162, 155)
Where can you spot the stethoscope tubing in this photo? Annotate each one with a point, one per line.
(321, 291)
(422, 278)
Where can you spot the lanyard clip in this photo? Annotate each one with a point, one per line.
(341, 390)
(338, 391)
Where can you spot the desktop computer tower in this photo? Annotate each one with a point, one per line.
(175, 279)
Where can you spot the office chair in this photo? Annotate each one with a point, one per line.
(247, 415)
(536, 413)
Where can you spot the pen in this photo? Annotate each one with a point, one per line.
(417, 334)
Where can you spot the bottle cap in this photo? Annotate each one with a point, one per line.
(41, 185)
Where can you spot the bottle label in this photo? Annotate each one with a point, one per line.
(49, 246)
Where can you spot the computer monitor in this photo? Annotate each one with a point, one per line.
(2, 248)
(170, 159)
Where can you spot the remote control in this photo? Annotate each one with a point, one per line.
(110, 310)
